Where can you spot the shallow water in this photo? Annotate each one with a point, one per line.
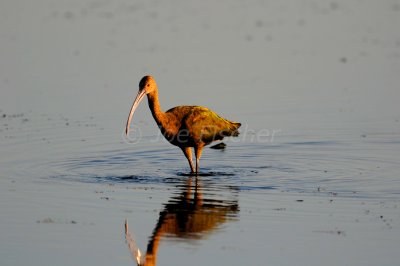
(312, 179)
(65, 198)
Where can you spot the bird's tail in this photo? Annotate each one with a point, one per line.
(232, 130)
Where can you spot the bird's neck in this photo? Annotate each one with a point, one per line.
(155, 108)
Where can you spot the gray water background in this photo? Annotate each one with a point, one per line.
(315, 171)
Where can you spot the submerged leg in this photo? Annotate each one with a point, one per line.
(188, 153)
(198, 151)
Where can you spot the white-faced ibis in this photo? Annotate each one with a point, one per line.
(184, 126)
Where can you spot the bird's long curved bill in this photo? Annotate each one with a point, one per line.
(135, 104)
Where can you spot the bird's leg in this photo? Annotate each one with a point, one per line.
(188, 153)
(198, 150)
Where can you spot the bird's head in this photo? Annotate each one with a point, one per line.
(147, 85)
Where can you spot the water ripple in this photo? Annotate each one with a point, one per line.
(339, 165)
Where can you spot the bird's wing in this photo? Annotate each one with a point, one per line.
(203, 124)
(210, 125)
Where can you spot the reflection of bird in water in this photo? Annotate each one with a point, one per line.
(188, 216)
(184, 126)
(136, 254)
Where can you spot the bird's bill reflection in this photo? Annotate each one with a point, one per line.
(187, 215)
(135, 252)
(138, 99)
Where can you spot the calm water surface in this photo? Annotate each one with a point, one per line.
(68, 185)
(313, 178)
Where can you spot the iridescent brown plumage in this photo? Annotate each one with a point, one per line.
(184, 126)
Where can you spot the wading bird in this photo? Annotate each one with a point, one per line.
(184, 126)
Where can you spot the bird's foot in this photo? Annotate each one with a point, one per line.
(193, 173)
